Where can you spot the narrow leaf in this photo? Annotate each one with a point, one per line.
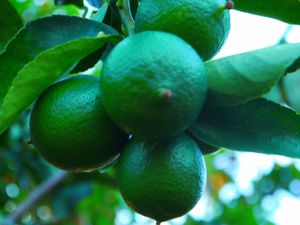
(239, 78)
(258, 126)
(43, 51)
(291, 90)
(10, 22)
(285, 10)
(295, 66)
(100, 14)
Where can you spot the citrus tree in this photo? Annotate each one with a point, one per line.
(131, 89)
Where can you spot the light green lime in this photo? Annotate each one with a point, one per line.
(203, 24)
(164, 179)
(154, 85)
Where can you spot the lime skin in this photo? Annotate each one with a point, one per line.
(162, 180)
(203, 24)
(154, 85)
(70, 128)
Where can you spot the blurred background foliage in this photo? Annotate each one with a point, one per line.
(93, 198)
(33, 9)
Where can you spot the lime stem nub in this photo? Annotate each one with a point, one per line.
(166, 93)
(229, 4)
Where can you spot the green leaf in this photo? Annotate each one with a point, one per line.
(10, 23)
(89, 61)
(258, 126)
(94, 57)
(100, 14)
(291, 84)
(42, 52)
(106, 211)
(285, 10)
(295, 66)
(239, 78)
(204, 147)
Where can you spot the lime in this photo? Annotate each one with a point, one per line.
(203, 24)
(153, 84)
(164, 179)
(69, 127)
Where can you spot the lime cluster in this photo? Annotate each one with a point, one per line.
(152, 88)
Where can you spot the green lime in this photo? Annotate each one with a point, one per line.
(203, 24)
(153, 84)
(164, 179)
(70, 128)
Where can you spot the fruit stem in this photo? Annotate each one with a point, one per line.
(126, 16)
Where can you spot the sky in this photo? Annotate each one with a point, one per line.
(249, 32)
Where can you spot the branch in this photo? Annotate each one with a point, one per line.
(35, 196)
(126, 17)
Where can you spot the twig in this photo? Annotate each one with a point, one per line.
(126, 16)
(34, 197)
